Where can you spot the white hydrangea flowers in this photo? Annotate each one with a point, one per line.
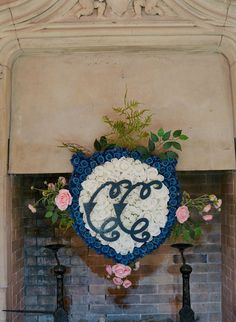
(154, 208)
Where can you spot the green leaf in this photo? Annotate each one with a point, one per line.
(172, 155)
(198, 232)
(160, 132)
(151, 145)
(97, 145)
(166, 136)
(183, 137)
(167, 145)
(186, 235)
(162, 156)
(154, 137)
(177, 146)
(142, 150)
(103, 141)
(110, 146)
(48, 214)
(192, 233)
(177, 133)
(54, 217)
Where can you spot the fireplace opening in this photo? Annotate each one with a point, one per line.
(156, 294)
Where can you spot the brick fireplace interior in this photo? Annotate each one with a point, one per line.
(156, 295)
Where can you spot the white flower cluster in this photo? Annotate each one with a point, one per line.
(154, 208)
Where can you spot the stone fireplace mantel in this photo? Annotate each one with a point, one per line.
(29, 27)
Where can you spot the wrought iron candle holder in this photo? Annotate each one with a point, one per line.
(60, 314)
(186, 313)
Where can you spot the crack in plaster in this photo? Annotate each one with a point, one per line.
(14, 25)
(226, 18)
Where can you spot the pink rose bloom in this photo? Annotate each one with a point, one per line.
(207, 217)
(117, 281)
(127, 283)
(207, 208)
(182, 214)
(121, 270)
(51, 186)
(63, 199)
(218, 203)
(63, 180)
(109, 269)
(32, 208)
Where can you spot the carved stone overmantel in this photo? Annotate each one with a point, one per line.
(65, 26)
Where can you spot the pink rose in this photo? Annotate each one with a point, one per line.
(121, 270)
(63, 199)
(207, 217)
(218, 203)
(51, 186)
(182, 214)
(117, 281)
(62, 180)
(109, 269)
(127, 283)
(207, 208)
(32, 208)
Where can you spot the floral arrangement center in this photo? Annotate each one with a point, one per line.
(124, 199)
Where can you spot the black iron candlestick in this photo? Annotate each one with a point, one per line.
(60, 314)
(186, 313)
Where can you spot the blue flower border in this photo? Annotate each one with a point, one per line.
(84, 165)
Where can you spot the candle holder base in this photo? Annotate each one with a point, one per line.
(186, 313)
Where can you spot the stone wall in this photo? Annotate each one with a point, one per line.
(156, 295)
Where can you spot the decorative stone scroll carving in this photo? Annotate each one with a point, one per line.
(117, 7)
(151, 7)
(86, 7)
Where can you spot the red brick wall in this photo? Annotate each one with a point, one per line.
(229, 247)
(157, 291)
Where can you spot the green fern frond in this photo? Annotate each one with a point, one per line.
(129, 130)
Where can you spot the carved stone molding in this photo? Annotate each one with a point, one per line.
(31, 14)
(112, 8)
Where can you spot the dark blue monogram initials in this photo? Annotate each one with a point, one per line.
(108, 231)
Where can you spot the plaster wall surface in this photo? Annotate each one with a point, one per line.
(62, 98)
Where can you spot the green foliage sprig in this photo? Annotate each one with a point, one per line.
(129, 130)
(74, 148)
(161, 143)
